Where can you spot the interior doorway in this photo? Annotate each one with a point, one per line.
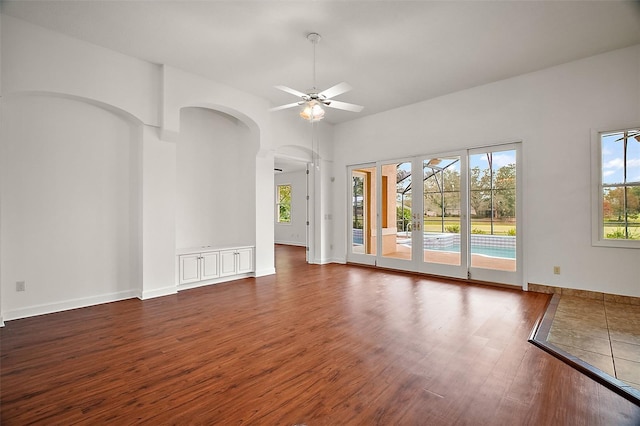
(291, 196)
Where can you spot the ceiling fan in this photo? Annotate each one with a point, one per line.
(313, 101)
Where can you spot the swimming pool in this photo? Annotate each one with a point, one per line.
(504, 252)
(485, 245)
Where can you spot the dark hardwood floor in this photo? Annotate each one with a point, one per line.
(314, 345)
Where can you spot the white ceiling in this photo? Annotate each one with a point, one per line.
(393, 53)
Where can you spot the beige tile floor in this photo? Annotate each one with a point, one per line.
(602, 333)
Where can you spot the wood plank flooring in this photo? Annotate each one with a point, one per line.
(314, 345)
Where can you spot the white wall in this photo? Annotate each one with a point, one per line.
(298, 139)
(36, 59)
(216, 174)
(182, 89)
(157, 199)
(294, 233)
(552, 112)
(69, 224)
(86, 96)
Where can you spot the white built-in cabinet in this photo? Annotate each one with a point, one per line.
(236, 261)
(199, 267)
(211, 265)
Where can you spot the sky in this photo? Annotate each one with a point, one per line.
(500, 158)
(613, 159)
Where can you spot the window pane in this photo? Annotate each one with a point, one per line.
(492, 182)
(613, 212)
(612, 158)
(396, 210)
(620, 155)
(633, 160)
(284, 203)
(441, 214)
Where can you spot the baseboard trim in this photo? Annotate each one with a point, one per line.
(159, 292)
(264, 272)
(587, 294)
(214, 281)
(291, 243)
(49, 308)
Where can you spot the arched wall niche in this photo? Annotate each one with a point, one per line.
(216, 177)
(125, 115)
(240, 118)
(294, 153)
(70, 216)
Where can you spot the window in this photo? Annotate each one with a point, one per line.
(283, 203)
(618, 199)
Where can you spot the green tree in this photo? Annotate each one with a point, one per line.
(480, 194)
(505, 191)
(613, 203)
(358, 202)
(284, 203)
(633, 200)
(442, 192)
(404, 218)
(614, 198)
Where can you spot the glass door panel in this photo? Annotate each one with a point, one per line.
(363, 214)
(442, 210)
(396, 210)
(493, 215)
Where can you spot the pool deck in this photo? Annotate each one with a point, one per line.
(450, 258)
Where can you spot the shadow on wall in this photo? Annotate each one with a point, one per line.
(216, 179)
(70, 216)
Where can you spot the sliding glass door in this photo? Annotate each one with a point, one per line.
(452, 214)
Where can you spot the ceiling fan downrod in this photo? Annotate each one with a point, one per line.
(314, 38)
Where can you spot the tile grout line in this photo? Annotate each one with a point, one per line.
(613, 358)
(539, 337)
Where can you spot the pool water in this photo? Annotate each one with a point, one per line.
(504, 252)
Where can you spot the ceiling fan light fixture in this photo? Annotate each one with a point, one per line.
(313, 101)
(312, 111)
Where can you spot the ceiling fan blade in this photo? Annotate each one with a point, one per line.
(278, 108)
(345, 106)
(336, 90)
(292, 91)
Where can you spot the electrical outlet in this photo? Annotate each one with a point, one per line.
(20, 286)
(556, 270)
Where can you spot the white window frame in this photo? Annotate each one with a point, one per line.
(278, 203)
(597, 198)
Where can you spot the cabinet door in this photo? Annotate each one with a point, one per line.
(227, 263)
(209, 265)
(189, 268)
(245, 260)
